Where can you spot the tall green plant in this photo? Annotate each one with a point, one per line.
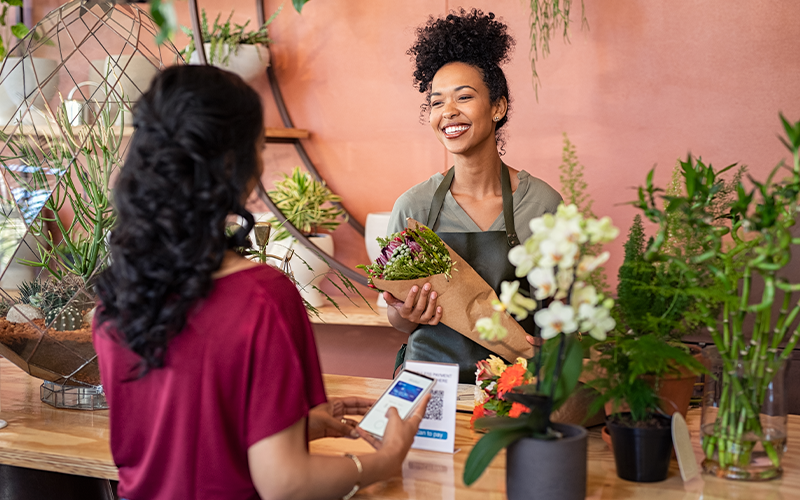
(82, 162)
(575, 191)
(755, 240)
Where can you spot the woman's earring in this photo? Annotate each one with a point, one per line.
(497, 118)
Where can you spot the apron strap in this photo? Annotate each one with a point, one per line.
(438, 197)
(508, 202)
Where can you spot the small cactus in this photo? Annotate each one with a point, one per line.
(64, 319)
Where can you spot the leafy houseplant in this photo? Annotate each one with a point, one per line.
(630, 369)
(308, 205)
(226, 39)
(556, 262)
(9, 31)
(751, 241)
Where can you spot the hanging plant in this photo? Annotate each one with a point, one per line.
(546, 18)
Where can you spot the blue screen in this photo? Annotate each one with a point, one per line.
(405, 391)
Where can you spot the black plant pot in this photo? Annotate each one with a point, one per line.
(535, 468)
(642, 454)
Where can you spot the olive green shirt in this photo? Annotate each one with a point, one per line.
(533, 198)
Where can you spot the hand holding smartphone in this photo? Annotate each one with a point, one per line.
(405, 393)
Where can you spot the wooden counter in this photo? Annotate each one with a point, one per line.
(76, 442)
(358, 314)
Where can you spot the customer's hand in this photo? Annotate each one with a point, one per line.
(419, 306)
(328, 419)
(399, 434)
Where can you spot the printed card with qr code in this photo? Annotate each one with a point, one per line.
(438, 427)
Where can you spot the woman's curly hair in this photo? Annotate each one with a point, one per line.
(472, 38)
(190, 161)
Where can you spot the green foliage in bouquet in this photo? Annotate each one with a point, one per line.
(632, 369)
(302, 200)
(410, 254)
(226, 38)
(753, 238)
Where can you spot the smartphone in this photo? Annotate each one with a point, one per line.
(405, 394)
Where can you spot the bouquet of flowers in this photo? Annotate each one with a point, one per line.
(417, 256)
(410, 254)
(493, 380)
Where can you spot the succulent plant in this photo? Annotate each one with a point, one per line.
(64, 319)
(28, 289)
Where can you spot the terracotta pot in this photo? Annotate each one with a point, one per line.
(675, 390)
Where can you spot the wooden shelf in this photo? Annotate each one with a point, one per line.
(354, 315)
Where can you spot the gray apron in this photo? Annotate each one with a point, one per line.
(487, 253)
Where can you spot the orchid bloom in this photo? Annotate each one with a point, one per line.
(490, 328)
(543, 281)
(583, 294)
(601, 231)
(589, 263)
(595, 320)
(522, 259)
(559, 253)
(515, 303)
(557, 318)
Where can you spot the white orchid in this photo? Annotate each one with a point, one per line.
(514, 302)
(559, 253)
(522, 259)
(557, 318)
(595, 320)
(541, 226)
(589, 263)
(564, 279)
(583, 294)
(491, 328)
(543, 281)
(601, 231)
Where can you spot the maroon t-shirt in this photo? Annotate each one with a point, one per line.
(244, 368)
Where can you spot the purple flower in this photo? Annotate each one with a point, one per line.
(413, 245)
(387, 251)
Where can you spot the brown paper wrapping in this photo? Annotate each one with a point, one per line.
(464, 299)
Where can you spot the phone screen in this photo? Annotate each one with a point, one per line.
(404, 394)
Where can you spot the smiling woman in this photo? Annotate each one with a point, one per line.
(480, 206)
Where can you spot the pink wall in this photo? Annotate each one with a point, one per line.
(647, 83)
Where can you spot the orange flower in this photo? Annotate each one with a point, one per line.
(512, 377)
(477, 412)
(518, 409)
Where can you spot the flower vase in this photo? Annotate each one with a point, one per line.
(535, 467)
(744, 422)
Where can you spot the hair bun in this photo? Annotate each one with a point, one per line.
(470, 37)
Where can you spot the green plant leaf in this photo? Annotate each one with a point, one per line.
(485, 450)
(298, 5)
(19, 30)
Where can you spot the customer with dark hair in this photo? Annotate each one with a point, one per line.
(480, 206)
(208, 359)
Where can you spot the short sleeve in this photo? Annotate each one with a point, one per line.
(285, 378)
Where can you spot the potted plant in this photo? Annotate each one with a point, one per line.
(308, 205)
(631, 369)
(232, 46)
(743, 429)
(556, 261)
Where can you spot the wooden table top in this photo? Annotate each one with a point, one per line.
(76, 442)
(358, 314)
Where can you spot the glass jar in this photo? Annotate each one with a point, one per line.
(744, 421)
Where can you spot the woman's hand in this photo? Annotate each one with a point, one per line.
(418, 308)
(327, 419)
(399, 434)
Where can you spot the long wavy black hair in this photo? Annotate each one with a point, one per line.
(191, 159)
(470, 37)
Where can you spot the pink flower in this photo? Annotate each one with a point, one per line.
(484, 371)
(413, 245)
(387, 251)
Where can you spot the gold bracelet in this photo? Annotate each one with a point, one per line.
(360, 468)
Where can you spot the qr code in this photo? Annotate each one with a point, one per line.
(435, 406)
